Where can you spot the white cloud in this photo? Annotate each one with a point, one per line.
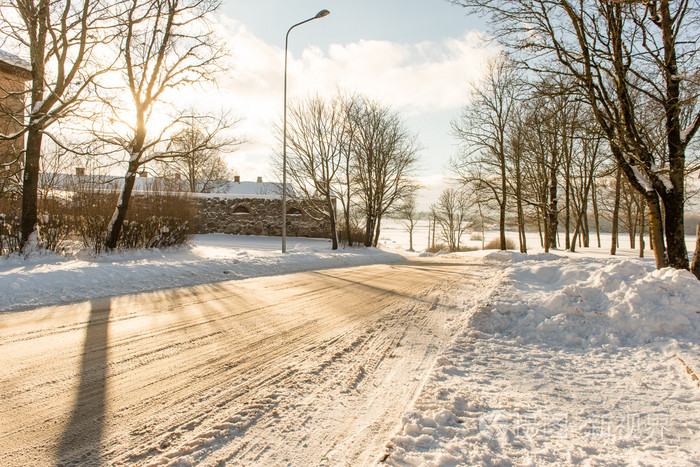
(414, 78)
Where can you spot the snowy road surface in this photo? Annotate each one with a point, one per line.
(306, 368)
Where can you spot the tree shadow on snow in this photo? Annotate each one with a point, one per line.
(81, 442)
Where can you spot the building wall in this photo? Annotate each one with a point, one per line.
(256, 216)
(11, 109)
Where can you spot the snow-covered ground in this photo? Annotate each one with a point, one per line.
(54, 279)
(395, 236)
(571, 360)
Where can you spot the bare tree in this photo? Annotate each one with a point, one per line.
(620, 54)
(451, 215)
(61, 38)
(517, 148)
(56, 162)
(407, 214)
(194, 153)
(346, 188)
(385, 157)
(316, 135)
(482, 129)
(163, 45)
(586, 166)
(543, 160)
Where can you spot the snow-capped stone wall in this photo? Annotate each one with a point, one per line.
(245, 215)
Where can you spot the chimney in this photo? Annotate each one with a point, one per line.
(80, 171)
(237, 179)
(259, 179)
(143, 174)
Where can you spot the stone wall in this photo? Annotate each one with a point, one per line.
(256, 216)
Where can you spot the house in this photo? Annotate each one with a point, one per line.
(14, 72)
(238, 207)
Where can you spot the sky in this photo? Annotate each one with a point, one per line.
(415, 56)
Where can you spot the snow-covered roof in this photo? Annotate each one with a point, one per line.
(251, 188)
(222, 188)
(15, 65)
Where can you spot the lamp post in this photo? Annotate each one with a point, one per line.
(319, 15)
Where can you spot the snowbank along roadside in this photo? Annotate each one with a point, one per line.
(569, 361)
(52, 279)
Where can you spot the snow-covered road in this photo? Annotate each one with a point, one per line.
(307, 368)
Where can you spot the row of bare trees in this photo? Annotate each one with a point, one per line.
(554, 168)
(108, 67)
(355, 150)
(629, 69)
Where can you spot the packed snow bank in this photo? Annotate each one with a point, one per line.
(568, 361)
(52, 279)
(579, 301)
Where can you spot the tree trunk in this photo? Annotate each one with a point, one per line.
(553, 220)
(115, 224)
(521, 214)
(675, 230)
(695, 267)
(656, 230)
(596, 216)
(30, 184)
(483, 230)
(631, 226)
(334, 229)
(377, 229)
(346, 213)
(616, 212)
(586, 228)
(567, 202)
(574, 238)
(504, 188)
(642, 210)
(539, 226)
(369, 230)
(428, 230)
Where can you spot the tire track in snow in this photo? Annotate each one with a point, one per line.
(304, 368)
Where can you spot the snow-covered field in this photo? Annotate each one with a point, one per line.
(395, 236)
(570, 358)
(53, 279)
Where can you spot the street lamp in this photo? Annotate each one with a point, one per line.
(319, 15)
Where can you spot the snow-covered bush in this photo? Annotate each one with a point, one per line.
(154, 232)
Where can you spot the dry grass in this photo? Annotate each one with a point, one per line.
(495, 244)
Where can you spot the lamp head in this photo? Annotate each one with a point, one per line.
(322, 13)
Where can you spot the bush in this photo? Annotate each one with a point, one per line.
(495, 244)
(53, 231)
(475, 236)
(443, 247)
(91, 210)
(10, 226)
(357, 235)
(10, 229)
(154, 220)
